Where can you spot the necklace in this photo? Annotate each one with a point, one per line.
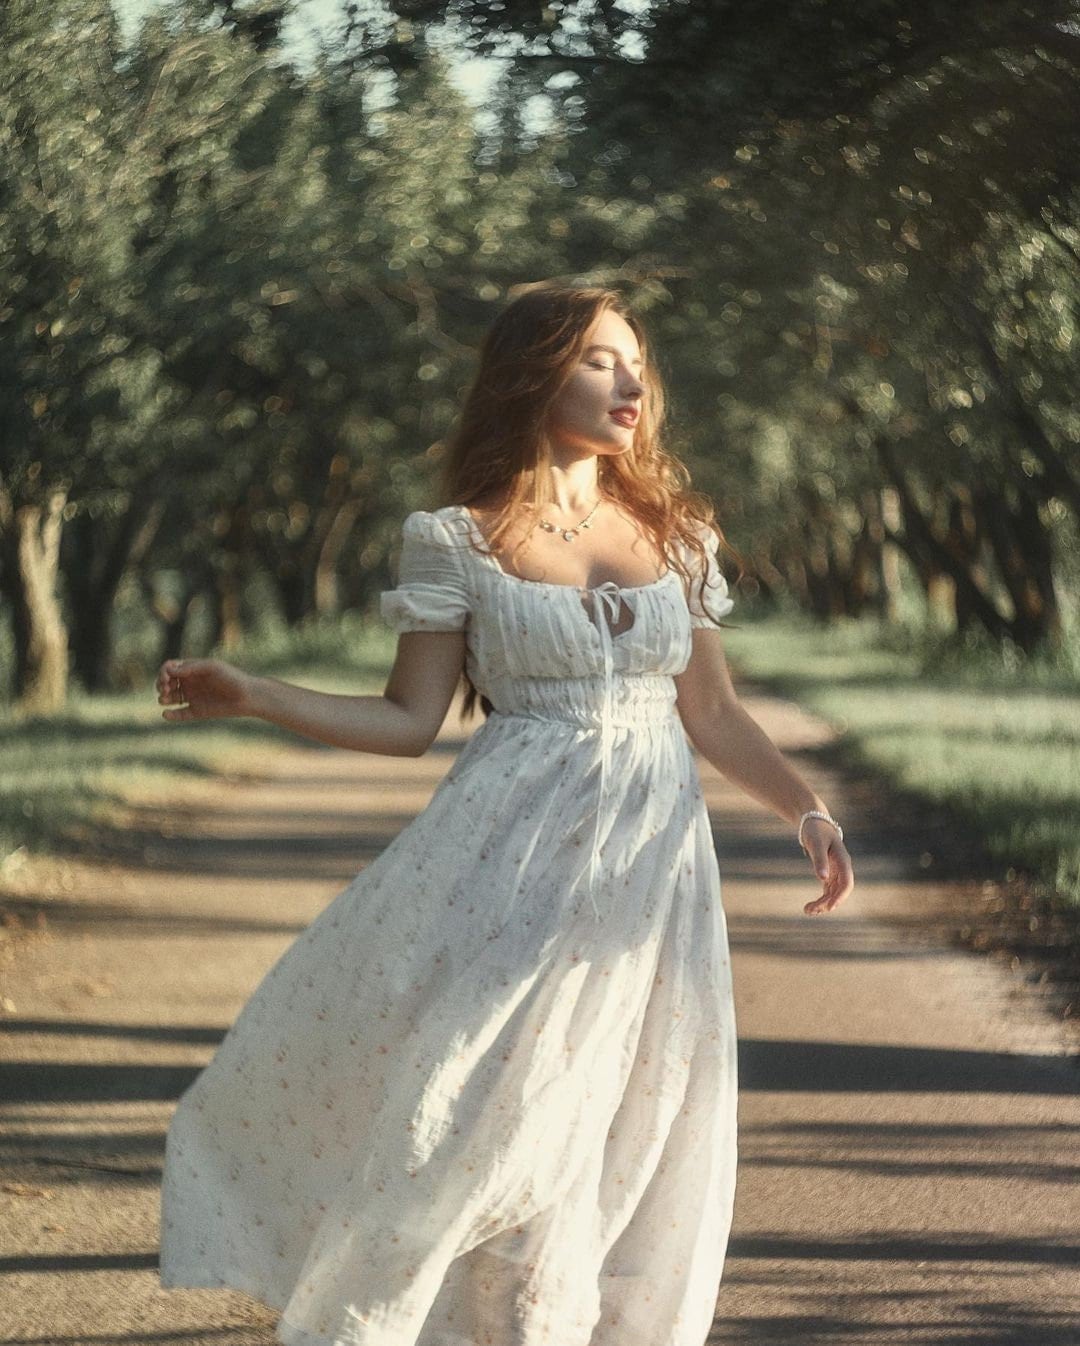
(569, 534)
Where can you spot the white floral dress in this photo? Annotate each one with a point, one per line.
(489, 1096)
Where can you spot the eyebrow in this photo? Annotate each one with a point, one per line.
(612, 350)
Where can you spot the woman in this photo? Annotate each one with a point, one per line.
(490, 1095)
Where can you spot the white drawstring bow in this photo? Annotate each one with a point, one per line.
(606, 598)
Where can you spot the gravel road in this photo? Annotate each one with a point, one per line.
(909, 1112)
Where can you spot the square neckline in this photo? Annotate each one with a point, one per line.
(608, 585)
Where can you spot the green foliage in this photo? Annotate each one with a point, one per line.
(350, 646)
(995, 738)
(973, 659)
(866, 228)
(241, 302)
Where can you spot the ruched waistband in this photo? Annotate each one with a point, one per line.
(633, 702)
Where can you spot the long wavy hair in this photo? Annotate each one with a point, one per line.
(499, 456)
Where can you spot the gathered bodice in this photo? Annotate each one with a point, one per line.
(549, 649)
(601, 658)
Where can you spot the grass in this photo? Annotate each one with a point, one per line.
(993, 735)
(61, 775)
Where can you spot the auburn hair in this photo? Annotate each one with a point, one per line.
(499, 454)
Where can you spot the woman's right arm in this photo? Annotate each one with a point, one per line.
(402, 722)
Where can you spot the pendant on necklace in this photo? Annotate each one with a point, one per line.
(570, 534)
(567, 534)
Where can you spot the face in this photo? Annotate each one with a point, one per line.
(608, 378)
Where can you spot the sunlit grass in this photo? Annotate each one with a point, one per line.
(995, 736)
(77, 769)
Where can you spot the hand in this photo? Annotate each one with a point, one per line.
(203, 689)
(831, 862)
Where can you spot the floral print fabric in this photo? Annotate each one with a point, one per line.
(488, 1098)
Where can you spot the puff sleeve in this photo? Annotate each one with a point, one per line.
(717, 604)
(431, 593)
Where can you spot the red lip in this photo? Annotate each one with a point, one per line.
(625, 416)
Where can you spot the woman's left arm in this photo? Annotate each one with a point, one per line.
(736, 745)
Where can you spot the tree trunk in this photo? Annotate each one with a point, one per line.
(100, 562)
(30, 572)
(839, 560)
(791, 563)
(927, 550)
(231, 527)
(815, 552)
(174, 614)
(292, 588)
(228, 624)
(1024, 558)
(941, 602)
(862, 591)
(964, 540)
(889, 554)
(765, 579)
(1042, 613)
(326, 595)
(285, 574)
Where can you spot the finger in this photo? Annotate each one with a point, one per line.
(174, 669)
(834, 893)
(829, 900)
(816, 903)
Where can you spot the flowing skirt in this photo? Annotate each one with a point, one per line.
(460, 1108)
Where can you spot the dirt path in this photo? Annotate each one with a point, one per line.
(910, 1113)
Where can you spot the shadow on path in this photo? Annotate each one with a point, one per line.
(821, 1067)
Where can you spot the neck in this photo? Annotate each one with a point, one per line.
(574, 487)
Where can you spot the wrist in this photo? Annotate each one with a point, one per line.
(808, 803)
(818, 816)
(256, 695)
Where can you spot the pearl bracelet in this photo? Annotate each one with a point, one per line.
(817, 813)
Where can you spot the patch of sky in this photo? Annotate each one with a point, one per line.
(317, 24)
